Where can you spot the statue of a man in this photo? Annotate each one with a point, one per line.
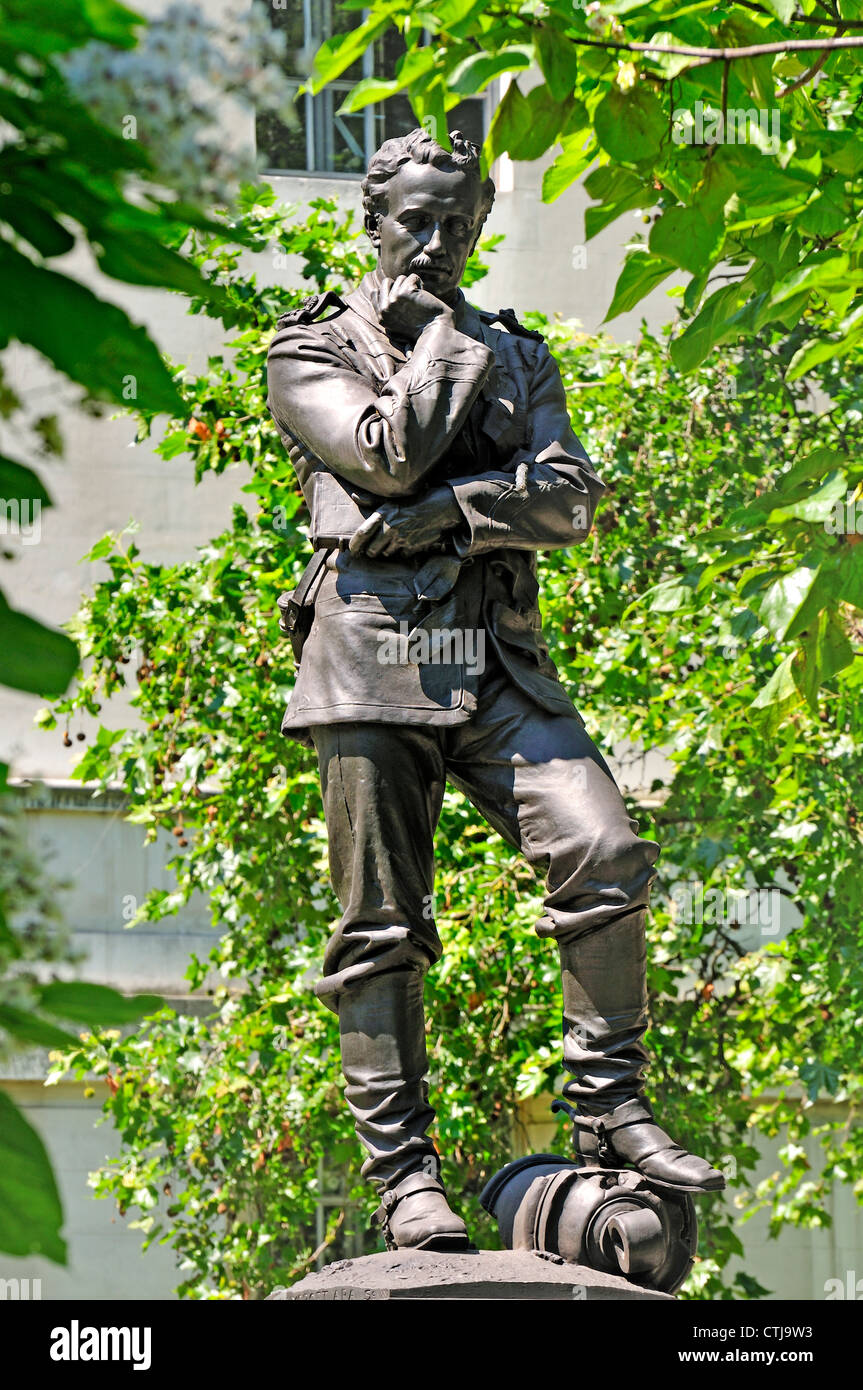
(434, 448)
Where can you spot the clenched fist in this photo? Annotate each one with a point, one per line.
(405, 308)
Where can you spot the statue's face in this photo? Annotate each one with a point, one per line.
(432, 221)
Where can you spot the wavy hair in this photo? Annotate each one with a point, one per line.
(422, 147)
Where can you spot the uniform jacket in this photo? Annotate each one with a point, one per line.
(480, 407)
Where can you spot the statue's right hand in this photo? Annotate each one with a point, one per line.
(405, 308)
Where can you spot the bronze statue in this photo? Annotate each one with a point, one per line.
(434, 448)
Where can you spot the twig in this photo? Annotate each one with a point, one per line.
(808, 75)
(327, 1240)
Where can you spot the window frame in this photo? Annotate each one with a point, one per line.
(370, 113)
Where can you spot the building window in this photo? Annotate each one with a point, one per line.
(323, 142)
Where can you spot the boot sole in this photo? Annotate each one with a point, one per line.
(444, 1244)
(702, 1189)
(693, 1190)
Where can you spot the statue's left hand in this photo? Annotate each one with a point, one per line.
(407, 528)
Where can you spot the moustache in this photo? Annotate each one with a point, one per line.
(421, 263)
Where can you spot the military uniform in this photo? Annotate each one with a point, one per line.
(476, 404)
(481, 408)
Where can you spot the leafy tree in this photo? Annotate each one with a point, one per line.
(231, 1122)
(736, 128)
(67, 181)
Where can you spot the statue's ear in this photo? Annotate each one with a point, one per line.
(370, 222)
(478, 235)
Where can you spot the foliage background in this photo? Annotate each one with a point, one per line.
(74, 179)
(716, 614)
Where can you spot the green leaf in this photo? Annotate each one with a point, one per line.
(545, 120)
(36, 225)
(817, 505)
(558, 59)
(669, 596)
(139, 259)
(708, 329)
(474, 73)
(367, 91)
(825, 214)
(20, 484)
(669, 64)
(779, 688)
(818, 1076)
(619, 190)
(428, 101)
(27, 1028)
(822, 271)
(684, 236)
(579, 152)
(822, 349)
(31, 1213)
(95, 1004)
(641, 273)
(508, 121)
(102, 351)
(630, 126)
(342, 50)
(818, 463)
(39, 26)
(782, 9)
(849, 580)
(34, 657)
(782, 600)
(825, 651)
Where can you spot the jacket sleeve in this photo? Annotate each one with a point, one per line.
(387, 442)
(545, 497)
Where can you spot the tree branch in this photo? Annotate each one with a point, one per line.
(728, 55)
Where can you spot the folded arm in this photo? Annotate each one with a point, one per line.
(384, 443)
(545, 497)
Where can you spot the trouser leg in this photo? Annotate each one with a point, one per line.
(382, 791)
(605, 1013)
(383, 1049)
(383, 787)
(545, 785)
(542, 782)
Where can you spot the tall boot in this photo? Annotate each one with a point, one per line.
(605, 1016)
(384, 1060)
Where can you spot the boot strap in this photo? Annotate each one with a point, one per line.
(632, 1114)
(392, 1196)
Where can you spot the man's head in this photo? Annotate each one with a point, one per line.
(425, 207)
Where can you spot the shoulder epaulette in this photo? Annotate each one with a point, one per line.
(312, 308)
(510, 322)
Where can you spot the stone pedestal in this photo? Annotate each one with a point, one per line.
(482, 1274)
